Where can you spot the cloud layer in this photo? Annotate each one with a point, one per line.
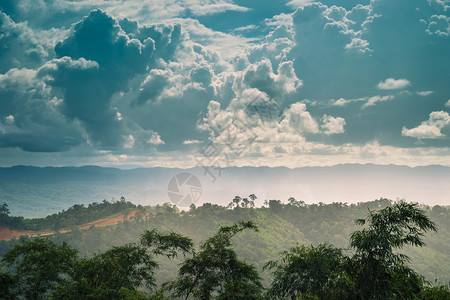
(296, 83)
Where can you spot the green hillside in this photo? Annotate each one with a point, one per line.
(281, 226)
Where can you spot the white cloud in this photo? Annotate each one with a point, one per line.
(439, 25)
(228, 45)
(344, 102)
(190, 142)
(129, 142)
(235, 70)
(393, 84)
(298, 119)
(424, 93)
(281, 19)
(298, 3)
(358, 44)
(214, 8)
(332, 125)
(372, 100)
(261, 77)
(340, 102)
(9, 119)
(155, 139)
(431, 128)
(246, 28)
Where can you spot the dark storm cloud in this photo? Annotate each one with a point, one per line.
(152, 87)
(119, 58)
(29, 117)
(19, 46)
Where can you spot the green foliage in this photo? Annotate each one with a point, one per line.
(281, 226)
(377, 267)
(310, 272)
(6, 220)
(243, 202)
(166, 244)
(110, 275)
(375, 271)
(430, 292)
(78, 214)
(44, 269)
(216, 271)
(7, 284)
(40, 266)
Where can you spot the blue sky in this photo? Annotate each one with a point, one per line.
(262, 83)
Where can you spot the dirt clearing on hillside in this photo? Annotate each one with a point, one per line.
(8, 234)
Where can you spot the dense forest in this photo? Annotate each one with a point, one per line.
(265, 244)
(74, 216)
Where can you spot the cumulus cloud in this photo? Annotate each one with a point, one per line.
(332, 125)
(155, 140)
(111, 58)
(29, 115)
(439, 25)
(21, 46)
(261, 77)
(432, 128)
(277, 20)
(202, 74)
(118, 83)
(153, 86)
(298, 119)
(234, 125)
(329, 51)
(393, 84)
(359, 45)
(228, 45)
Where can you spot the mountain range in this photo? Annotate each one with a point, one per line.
(39, 191)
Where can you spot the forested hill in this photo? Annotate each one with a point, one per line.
(281, 226)
(76, 215)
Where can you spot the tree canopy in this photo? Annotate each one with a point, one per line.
(371, 267)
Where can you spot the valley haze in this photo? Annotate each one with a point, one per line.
(39, 191)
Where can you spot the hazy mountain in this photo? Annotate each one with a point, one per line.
(35, 191)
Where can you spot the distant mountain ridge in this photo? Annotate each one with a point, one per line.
(38, 191)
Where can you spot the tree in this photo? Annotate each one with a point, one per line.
(252, 200)
(4, 210)
(375, 271)
(166, 244)
(235, 202)
(275, 205)
(216, 271)
(40, 266)
(310, 272)
(294, 202)
(110, 275)
(7, 284)
(121, 271)
(381, 272)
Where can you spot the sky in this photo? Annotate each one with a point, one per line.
(184, 83)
